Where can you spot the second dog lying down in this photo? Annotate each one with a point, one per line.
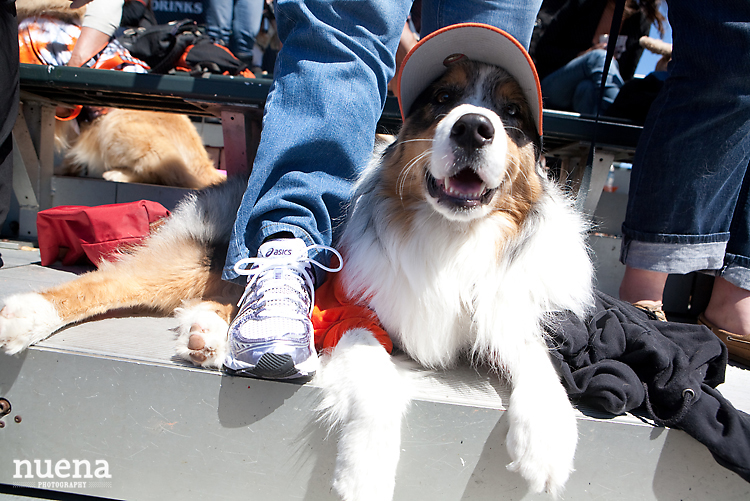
(455, 239)
(133, 146)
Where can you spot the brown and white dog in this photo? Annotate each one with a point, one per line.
(134, 146)
(131, 146)
(455, 237)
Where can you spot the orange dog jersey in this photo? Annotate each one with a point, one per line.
(334, 314)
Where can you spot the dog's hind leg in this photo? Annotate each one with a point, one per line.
(158, 276)
(364, 397)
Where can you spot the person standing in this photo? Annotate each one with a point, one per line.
(689, 199)
(234, 24)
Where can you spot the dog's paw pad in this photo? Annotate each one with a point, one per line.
(201, 336)
(196, 345)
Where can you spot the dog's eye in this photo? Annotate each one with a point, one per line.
(443, 97)
(512, 110)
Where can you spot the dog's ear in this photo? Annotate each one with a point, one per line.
(389, 149)
(538, 148)
(384, 145)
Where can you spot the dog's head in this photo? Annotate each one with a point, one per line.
(470, 142)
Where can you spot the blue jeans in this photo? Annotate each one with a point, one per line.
(688, 208)
(330, 84)
(575, 86)
(235, 24)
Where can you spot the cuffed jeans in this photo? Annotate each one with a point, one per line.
(329, 89)
(575, 86)
(688, 207)
(234, 23)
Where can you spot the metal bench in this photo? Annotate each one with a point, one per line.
(239, 102)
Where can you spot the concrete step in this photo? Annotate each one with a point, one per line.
(110, 392)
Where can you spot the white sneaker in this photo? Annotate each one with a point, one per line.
(272, 335)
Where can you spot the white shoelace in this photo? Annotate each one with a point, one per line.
(274, 273)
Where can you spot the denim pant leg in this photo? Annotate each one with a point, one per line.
(688, 204)
(515, 17)
(575, 86)
(246, 20)
(219, 19)
(330, 84)
(234, 23)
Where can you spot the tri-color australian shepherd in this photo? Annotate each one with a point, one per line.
(455, 238)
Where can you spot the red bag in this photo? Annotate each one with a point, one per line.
(94, 232)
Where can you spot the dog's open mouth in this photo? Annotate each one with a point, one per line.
(462, 190)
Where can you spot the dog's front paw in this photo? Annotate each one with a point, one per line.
(365, 396)
(201, 336)
(542, 439)
(25, 320)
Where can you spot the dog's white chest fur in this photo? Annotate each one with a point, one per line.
(425, 289)
(444, 288)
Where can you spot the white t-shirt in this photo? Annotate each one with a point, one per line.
(103, 15)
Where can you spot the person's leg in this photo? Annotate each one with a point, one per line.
(575, 86)
(642, 285)
(219, 20)
(515, 17)
(586, 96)
(329, 89)
(246, 20)
(319, 123)
(729, 307)
(687, 207)
(645, 289)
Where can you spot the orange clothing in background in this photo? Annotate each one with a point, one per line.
(49, 41)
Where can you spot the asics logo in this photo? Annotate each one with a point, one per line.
(278, 252)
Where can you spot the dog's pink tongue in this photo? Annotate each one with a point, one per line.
(465, 182)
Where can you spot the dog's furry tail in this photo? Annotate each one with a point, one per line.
(365, 397)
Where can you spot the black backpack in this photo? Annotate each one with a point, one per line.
(162, 45)
(204, 56)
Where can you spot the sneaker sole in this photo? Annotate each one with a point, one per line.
(272, 366)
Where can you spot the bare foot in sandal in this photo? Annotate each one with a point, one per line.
(729, 308)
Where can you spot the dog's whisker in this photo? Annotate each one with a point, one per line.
(512, 127)
(416, 140)
(407, 169)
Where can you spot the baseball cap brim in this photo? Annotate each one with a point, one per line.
(478, 42)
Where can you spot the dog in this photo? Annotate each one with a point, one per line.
(455, 238)
(134, 146)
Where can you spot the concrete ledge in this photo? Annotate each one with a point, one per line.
(110, 390)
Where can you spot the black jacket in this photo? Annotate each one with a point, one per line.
(619, 360)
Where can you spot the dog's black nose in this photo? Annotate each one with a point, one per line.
(472, 131)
